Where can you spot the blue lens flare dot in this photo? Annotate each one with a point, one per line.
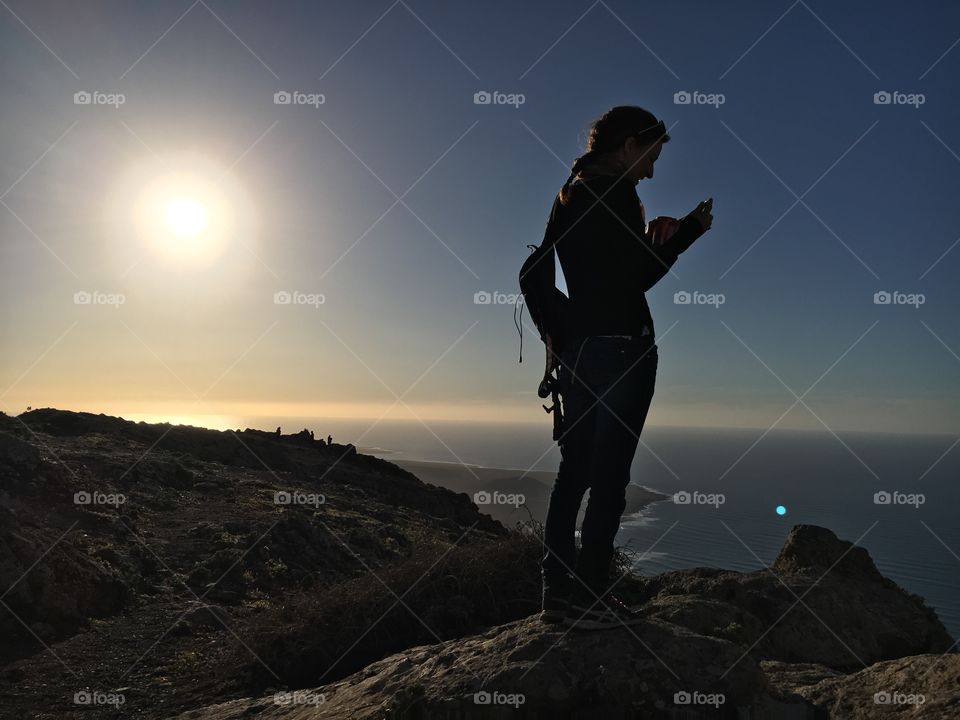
(781, 510)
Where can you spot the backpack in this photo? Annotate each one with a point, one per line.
(549, 310)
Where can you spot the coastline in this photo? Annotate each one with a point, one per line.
(534, 485)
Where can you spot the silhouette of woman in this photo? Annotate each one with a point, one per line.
(610, 257)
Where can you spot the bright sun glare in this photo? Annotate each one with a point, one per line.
(185, 216)
(185, 213)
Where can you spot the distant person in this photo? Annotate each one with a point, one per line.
(608, 364)
(278, 431)
(329, 439)
(311, 435)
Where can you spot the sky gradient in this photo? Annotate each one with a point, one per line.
(398, 198)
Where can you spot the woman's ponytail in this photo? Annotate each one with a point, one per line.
(574, 170)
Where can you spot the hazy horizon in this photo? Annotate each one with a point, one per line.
(268, 422)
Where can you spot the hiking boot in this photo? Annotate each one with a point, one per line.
(554, 608)
(555, 596)
(585, 612)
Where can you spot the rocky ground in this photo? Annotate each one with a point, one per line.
(205, 595)
(126, 597)
(821, 634)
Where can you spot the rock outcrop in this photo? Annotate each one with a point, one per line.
(526, 669)
(786, 642)
(822, 601)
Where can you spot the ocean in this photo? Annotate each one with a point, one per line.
(736, 484)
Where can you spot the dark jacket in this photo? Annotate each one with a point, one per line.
(607, 259)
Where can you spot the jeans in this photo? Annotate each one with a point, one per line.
(597, 445)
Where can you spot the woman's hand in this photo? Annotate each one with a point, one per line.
(703, 214)
(660, 229)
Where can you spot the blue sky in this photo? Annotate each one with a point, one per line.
(822, 198)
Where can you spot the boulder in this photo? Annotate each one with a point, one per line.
(822, 601)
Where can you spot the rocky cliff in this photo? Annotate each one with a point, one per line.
(167, 571)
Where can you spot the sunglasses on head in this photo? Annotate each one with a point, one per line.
(653, 133)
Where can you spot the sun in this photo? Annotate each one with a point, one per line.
(183, 213)
(185, 219)
(185, 216)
